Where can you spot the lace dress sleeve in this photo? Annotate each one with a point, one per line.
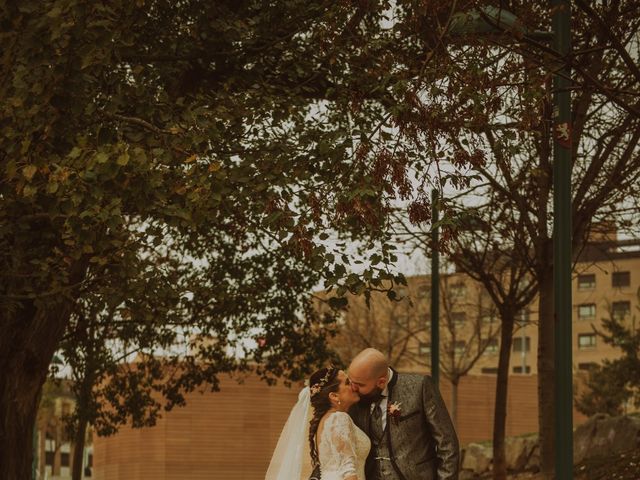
(341, 437)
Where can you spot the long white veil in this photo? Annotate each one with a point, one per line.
(291, 459)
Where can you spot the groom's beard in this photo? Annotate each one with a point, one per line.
(371, 397)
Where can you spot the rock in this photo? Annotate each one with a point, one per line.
(467, 475)
(477, 458)
(533, 463)
(601, 435)
(517, 452)
(605, 435)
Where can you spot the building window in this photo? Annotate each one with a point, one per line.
(424, 291)
(64, 459)
(488, 319)
(460, 346)
(489, 370)
(587, 366)
(522, 316)
(424, 348)
(459, 318)
(587, 281)
(458, 290)
(518, 344)
(620, 279)
(619, 310)
(518, 369)
(49, 458)
(492, 346)
(586, 311)
(586, 341)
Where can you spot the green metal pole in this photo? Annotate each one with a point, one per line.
(34, 464)
(435, 290)
(562, 257)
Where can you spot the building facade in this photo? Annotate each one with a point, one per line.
(52, 446)
(606, 283)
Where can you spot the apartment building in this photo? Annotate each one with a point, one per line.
(606, 283)
(53, 448)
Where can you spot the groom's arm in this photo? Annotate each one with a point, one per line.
(444, 434)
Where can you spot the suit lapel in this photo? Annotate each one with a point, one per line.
(390, 400)
(394, 395)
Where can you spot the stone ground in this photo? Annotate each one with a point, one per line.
(623, 466)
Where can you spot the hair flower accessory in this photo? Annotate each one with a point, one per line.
(394, 410)
(316, 387)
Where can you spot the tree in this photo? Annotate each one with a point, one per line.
(469, 330)
(509, 79)
(391, 326)
(611, 385)
(212, 147)
(492, 256)
(485, 242)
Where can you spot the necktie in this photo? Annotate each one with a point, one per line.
(376, 420)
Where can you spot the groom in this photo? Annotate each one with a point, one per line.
(412, 436)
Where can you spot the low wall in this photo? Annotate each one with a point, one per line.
(231, 434)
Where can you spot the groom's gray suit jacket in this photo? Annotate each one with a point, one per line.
(422, 441)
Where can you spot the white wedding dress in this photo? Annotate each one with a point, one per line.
(342, 449)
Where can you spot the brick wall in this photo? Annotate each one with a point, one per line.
(231, 434)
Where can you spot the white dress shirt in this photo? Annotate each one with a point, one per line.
(384, 402)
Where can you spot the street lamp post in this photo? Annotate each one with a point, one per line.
(435, 291)
(489, 20)
(562, 255)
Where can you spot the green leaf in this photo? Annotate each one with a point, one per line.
(338, 303)
(29, 190)
(29, 171)
(11, 169)
(55, 12)
(101, 157)
(123, 159)
(75, 152)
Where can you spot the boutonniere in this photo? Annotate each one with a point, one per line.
(394, 410)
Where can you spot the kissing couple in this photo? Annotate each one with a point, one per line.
(368, 423)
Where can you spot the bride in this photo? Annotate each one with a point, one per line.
(320, 422)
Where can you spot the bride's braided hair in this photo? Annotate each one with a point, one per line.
(321, 383)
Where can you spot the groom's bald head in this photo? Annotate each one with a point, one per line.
(370, 363)
(368, 372)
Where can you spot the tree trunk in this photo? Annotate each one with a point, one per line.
(86, 330)
(500, 408)
(29, 339)
(78, 450)
(454, 402)
(19, 405)
(546, 386)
